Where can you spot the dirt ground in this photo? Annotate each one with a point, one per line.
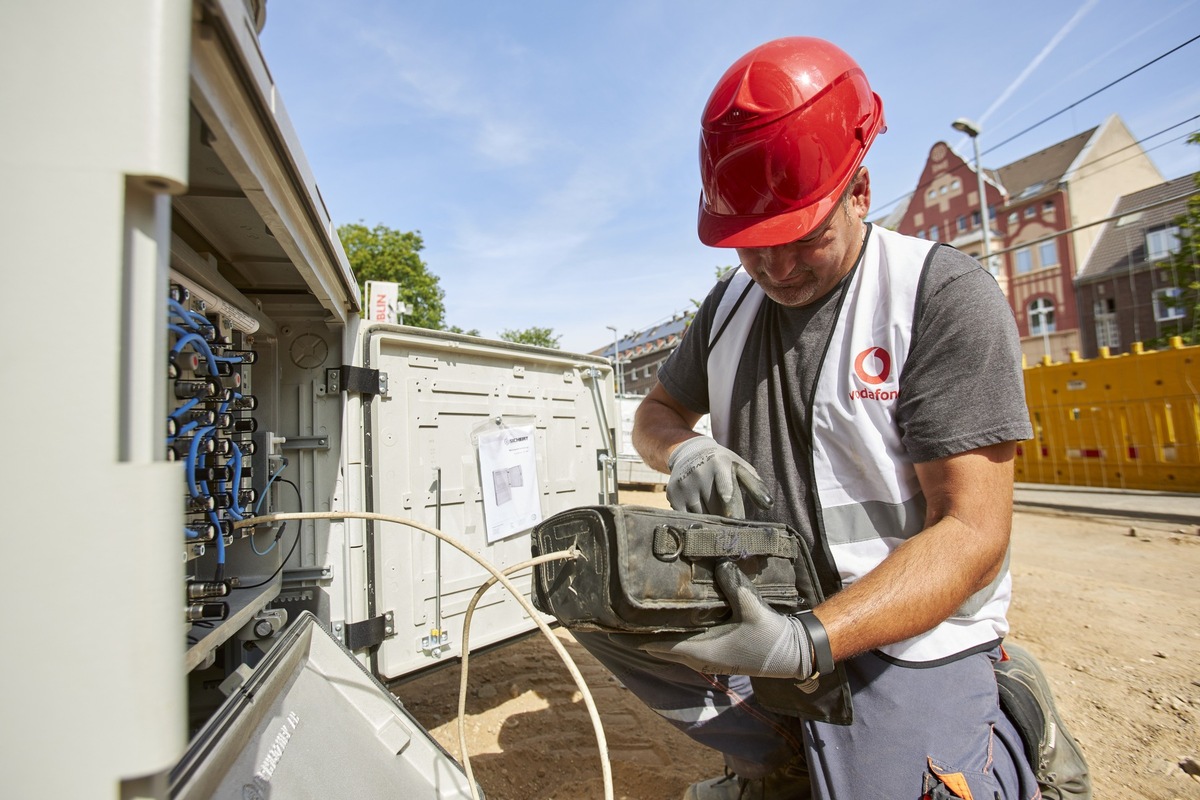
(1111, 609)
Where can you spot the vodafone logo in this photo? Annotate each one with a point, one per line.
(873, 366)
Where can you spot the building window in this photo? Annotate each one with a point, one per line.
(1013, 218)
(1030, 212)
(955, 184)
(1024, 258)
(962, 223)
(920, 234)
(1107, 333)
(1048, 254)
(974, 219)
(1048, 205)
(931, 194)
(1162, 243)
(933, 233)
(1041, 316)
(1166, 304)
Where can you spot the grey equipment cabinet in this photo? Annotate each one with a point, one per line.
(311, 722)
(184, 335)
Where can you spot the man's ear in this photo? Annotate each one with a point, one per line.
(860, 193)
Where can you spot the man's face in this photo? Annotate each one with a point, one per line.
(800, 272)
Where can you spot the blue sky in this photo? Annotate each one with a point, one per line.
(546, 150)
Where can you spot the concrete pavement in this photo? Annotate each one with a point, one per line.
(1171, 507)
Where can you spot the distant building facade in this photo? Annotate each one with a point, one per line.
(1042, 212)
(642, 352)
(1124, 294)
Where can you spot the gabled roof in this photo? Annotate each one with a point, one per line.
(1121, 246)
(657, 336)
(1044, 169)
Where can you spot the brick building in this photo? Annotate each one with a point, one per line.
(1042, 212)
(641, 353)
(1124, 296)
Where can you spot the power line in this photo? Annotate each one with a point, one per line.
(1061, 111)
(1093, 94)
(877, 210)
(1127, 213)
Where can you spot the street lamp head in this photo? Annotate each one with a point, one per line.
(966, 126)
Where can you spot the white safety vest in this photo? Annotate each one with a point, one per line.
(868, 498)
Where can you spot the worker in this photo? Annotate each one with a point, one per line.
(864, 388)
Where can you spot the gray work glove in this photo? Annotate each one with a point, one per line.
(758, 641)
(709, 478)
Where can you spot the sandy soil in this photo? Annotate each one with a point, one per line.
(1111, 608)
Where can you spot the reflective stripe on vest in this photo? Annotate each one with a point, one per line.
(869, 498)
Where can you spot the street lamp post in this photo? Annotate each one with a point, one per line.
(617, 360)
(971, 129)
(1043, 316)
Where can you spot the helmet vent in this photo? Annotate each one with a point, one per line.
(737, 116)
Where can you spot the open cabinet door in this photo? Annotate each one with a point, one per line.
(480, 439)
(310, 722)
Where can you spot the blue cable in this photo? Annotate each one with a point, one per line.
(258, 552)
(188, 427)
(234, 509)
(233, 395)
(283, 464)
(193, 458)
(197, 341)
(186, 407)
(220, 538)
(198, 320)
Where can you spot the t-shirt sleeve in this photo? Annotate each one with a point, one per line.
(963, 386)
(684, 374)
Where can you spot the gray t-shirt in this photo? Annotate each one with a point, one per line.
(961, 387)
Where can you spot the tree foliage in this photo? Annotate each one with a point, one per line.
(384, 254)
(721, 272)
(1184, 264)
(542, 337)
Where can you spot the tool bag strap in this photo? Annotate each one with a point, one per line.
(671, 542)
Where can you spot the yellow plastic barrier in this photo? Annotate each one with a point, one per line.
(1120, 422)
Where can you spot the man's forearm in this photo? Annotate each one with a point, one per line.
(927, 578)
(659, 426)
(921, 584)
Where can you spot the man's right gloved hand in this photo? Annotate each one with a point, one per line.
(708, 478)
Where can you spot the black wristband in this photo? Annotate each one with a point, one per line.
(822, 652)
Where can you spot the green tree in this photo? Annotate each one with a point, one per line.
(542, 337)
(1184, 265)
(384, 254)
(721, 272)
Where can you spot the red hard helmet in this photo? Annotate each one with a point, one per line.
(784, 131)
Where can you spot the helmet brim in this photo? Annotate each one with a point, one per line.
(719, 230)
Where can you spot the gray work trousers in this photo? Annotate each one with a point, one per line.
(915, 731)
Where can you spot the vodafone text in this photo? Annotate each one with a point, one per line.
(879, 395)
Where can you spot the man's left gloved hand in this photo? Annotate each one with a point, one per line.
(758, 641)
(707, 478)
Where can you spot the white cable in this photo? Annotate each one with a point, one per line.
(497, 575)
(466, 633)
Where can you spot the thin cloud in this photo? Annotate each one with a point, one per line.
(1040, 57)
(421, 77)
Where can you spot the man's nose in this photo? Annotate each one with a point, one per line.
(776, 262)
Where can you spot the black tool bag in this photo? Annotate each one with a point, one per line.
(650, 570)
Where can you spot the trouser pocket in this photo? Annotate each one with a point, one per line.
(946, 783)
